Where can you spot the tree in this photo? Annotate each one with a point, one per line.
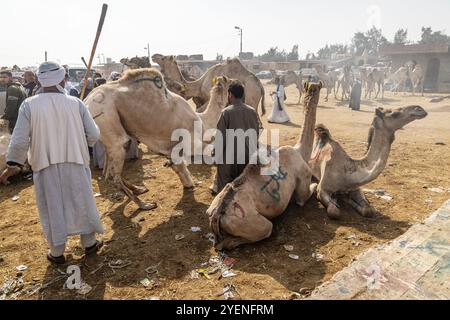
(328, 51)
(273, 55)
(401, 36)
(372, 40)
(430, 37)
(293, 55)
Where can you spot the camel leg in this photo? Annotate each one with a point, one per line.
(243, 228)
(300, 92)
(358, 201)
(183, 173)
(304, 192)
(135, 189)
(333, 210)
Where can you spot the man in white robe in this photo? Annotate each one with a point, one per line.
(55, 130)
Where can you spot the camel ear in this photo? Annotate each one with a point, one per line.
(379, 112)
(306, 85)
(225, 79)
(171, 58)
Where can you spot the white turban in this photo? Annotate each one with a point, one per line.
(51, 74)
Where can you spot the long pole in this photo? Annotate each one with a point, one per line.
(94, 48)
(241, 39)
(45, 56)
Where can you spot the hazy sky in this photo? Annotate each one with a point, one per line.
(67, 29)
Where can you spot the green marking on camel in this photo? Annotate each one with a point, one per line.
(274, 193)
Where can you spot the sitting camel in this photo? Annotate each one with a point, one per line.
(200, 89)
(241, 213)
(342, 177)
(140, 106)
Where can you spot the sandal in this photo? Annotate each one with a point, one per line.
(56, 260)
(94, 249)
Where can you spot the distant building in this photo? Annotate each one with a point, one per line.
(434, 58)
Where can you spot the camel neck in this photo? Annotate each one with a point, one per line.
(305, 144)
(373, 164)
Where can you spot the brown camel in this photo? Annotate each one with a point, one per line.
(292, 78)
(140, 106)
(345, 82)
(342, 177)
(200, 89)
(417, 79)
(243, 211)
(376, 78)
(136, 62)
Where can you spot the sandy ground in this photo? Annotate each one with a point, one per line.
(264, 270)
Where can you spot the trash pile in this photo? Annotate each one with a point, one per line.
(221, 265)
(380, 193)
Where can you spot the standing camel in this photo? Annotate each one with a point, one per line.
(292, 78)
(200, 89)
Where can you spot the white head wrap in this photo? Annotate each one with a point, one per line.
(51, 74)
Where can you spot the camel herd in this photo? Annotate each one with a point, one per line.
(149, 105)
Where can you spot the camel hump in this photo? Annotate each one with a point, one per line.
(136, 74)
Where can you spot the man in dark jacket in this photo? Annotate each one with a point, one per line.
(30, 82)
(15, 95)
(238, 130)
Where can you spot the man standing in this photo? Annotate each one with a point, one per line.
(236, 120)
(15, 95)
(355, 96)
(30, 82)
(57, 129)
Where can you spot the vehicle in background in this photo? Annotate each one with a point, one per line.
(264, 75)
(73, 75)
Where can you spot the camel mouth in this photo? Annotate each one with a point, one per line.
(419, 113)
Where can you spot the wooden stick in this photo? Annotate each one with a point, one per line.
(94, 48)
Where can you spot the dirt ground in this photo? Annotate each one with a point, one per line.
(263, 271)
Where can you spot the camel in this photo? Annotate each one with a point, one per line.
(341, 177)
(292, 78)
(376, 77)
(136, 62)
(344, 82)
(243, 211)
(325, 79)
(200, 89)
(5, 138)
(140, 106)
(417, 78)
(399, 79)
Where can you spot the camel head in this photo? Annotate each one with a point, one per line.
(220, 89)
(393, 120)
(234, 200)
(164, 61)
(136, 62)
(312, 92)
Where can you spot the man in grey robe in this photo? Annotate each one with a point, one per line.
(55, 130)
(237, 137)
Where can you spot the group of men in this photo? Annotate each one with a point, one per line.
(54, 131)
